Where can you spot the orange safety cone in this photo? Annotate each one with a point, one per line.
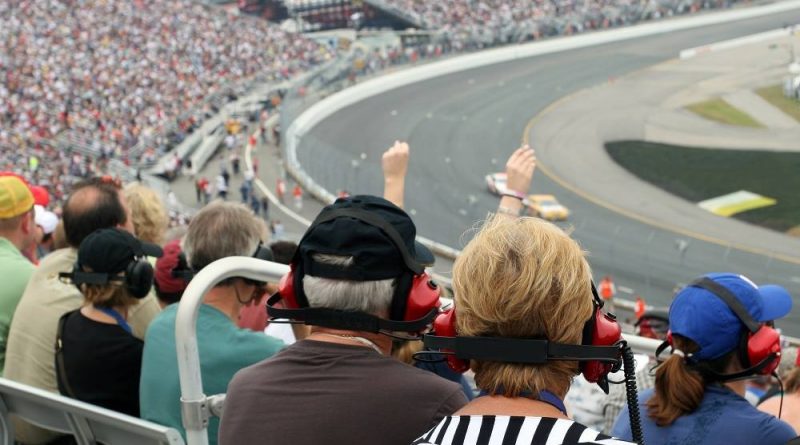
(638, 307)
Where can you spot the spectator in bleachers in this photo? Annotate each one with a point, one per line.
(17, 234)
(94, 204)
(699, 391)
(108, 76)
(172, 274)
(254, 316)
(520, 278)
(340, 385)
(98, 360)
(219, 230)
(466, 24)
(148, 213)
(788, 403)
(46, 224)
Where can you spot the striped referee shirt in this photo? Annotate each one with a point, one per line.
(512, 430)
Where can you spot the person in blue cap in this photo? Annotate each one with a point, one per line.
(719, 338)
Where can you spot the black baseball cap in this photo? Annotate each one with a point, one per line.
(378, 235)
(111, 250)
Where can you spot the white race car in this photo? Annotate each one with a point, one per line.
(496, 183)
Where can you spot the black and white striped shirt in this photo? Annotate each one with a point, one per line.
(512, 430)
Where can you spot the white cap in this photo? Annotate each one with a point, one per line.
(46, 219)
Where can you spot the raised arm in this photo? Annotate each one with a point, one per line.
(395, 166)
(519, 173)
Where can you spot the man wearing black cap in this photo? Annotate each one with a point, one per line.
(357, 275)
(98, 360)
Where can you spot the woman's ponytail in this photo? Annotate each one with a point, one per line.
(679, 389)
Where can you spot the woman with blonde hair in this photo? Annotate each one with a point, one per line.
(719, 338)
(98, 360)
(525, 311)
(149, 215)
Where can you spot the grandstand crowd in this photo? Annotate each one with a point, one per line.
(467, 24)
(92, 270)
(126, 80)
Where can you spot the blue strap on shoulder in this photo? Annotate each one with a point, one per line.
(117, 317)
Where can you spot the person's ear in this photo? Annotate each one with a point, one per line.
(28, 223)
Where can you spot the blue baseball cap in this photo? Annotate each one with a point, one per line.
(706, 319)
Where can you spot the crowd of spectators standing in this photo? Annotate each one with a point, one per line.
(101, 267)
(472, 24)
(88, 87)
(105, 77)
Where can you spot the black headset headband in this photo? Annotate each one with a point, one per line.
(730, 300)
(351, 321)
(521, 350)
(183, 271)
(703, 368)
(79, 277)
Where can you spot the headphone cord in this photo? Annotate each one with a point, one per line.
(780, 383)
(629, 369)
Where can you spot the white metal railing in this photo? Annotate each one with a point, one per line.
(196, 407)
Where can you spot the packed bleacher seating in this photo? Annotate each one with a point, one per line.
(470, 24)
(87, 85)
(126, 80)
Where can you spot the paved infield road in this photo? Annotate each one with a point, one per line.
(463, 126)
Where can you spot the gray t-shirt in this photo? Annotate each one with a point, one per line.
(318, 392)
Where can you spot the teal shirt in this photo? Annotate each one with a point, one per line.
(224, 350)
(16, 271)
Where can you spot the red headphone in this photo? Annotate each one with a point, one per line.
(599, 354)
(759, 349)
(415, 302)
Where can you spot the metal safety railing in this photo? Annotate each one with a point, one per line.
(196, 407)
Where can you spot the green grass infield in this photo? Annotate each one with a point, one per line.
(697, 174)
(774, 95)
(720, 111)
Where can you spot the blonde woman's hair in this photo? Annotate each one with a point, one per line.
(148, 212)
(522, 278)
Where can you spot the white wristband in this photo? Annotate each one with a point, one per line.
(514, 194)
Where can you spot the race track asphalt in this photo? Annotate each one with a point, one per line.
(463, 126)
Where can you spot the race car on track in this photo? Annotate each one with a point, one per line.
(546, 207)
(496, 183)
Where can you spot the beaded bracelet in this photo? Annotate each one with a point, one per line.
(508, 211)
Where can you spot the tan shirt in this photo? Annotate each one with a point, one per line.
(30, 354)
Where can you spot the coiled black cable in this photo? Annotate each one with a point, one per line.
(629, 369)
